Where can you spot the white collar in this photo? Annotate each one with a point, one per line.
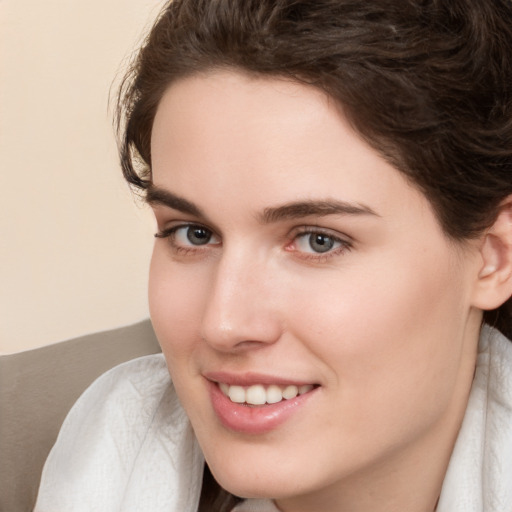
(479, 476)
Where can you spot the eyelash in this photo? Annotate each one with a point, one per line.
(171, 234)
(344, 245)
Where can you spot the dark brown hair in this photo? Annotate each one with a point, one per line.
(427, 83)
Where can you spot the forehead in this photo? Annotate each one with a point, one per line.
(236, 105)
(259, 141)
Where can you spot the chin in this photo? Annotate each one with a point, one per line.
(246, 486)
(253, 472)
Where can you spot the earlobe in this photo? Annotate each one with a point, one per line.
(494, 282)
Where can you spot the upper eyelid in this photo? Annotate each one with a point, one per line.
(345, 241)
(176, 224)
(295, 231)
(166, 215)
(311, 229)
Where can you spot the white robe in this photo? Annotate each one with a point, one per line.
(127, 445)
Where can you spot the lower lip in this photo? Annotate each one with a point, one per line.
(258, 419)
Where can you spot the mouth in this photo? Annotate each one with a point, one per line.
(260, 394)
(258, 403)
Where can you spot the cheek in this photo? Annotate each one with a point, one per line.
(176, 302)
(391, 339)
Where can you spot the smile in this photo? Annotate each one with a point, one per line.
(256, 404)
(258, 394)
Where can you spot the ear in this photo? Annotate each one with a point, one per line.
(494, 281)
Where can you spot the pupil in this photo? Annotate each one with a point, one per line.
(198, 236)
(321, 243)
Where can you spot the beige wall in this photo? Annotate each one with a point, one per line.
(74, 247)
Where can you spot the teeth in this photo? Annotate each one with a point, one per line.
(290, 392)
(236, 394)
(274, 394)
(305, 389)
(256, 395)
(259, 395)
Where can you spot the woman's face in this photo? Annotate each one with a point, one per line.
(292, 258)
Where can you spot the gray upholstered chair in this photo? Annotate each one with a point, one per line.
(37, 389)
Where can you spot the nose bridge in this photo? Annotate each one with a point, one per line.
(239, 305)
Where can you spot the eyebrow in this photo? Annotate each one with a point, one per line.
(292, 210)
(313, 207)
(160, 196)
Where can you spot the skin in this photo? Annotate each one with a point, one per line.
(384, 322)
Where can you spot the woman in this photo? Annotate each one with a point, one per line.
(332, 185)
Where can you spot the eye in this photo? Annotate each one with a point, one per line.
(317, 243)
(195, 235)
(187, 236)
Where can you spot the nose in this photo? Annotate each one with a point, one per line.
(241, 307)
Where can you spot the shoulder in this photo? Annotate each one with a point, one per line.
(137, 382)
(125, 396)
(124, 442)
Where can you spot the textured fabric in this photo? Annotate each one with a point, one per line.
(127, 445)
(479, 476)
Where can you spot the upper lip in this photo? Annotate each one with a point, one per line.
(251, 378)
